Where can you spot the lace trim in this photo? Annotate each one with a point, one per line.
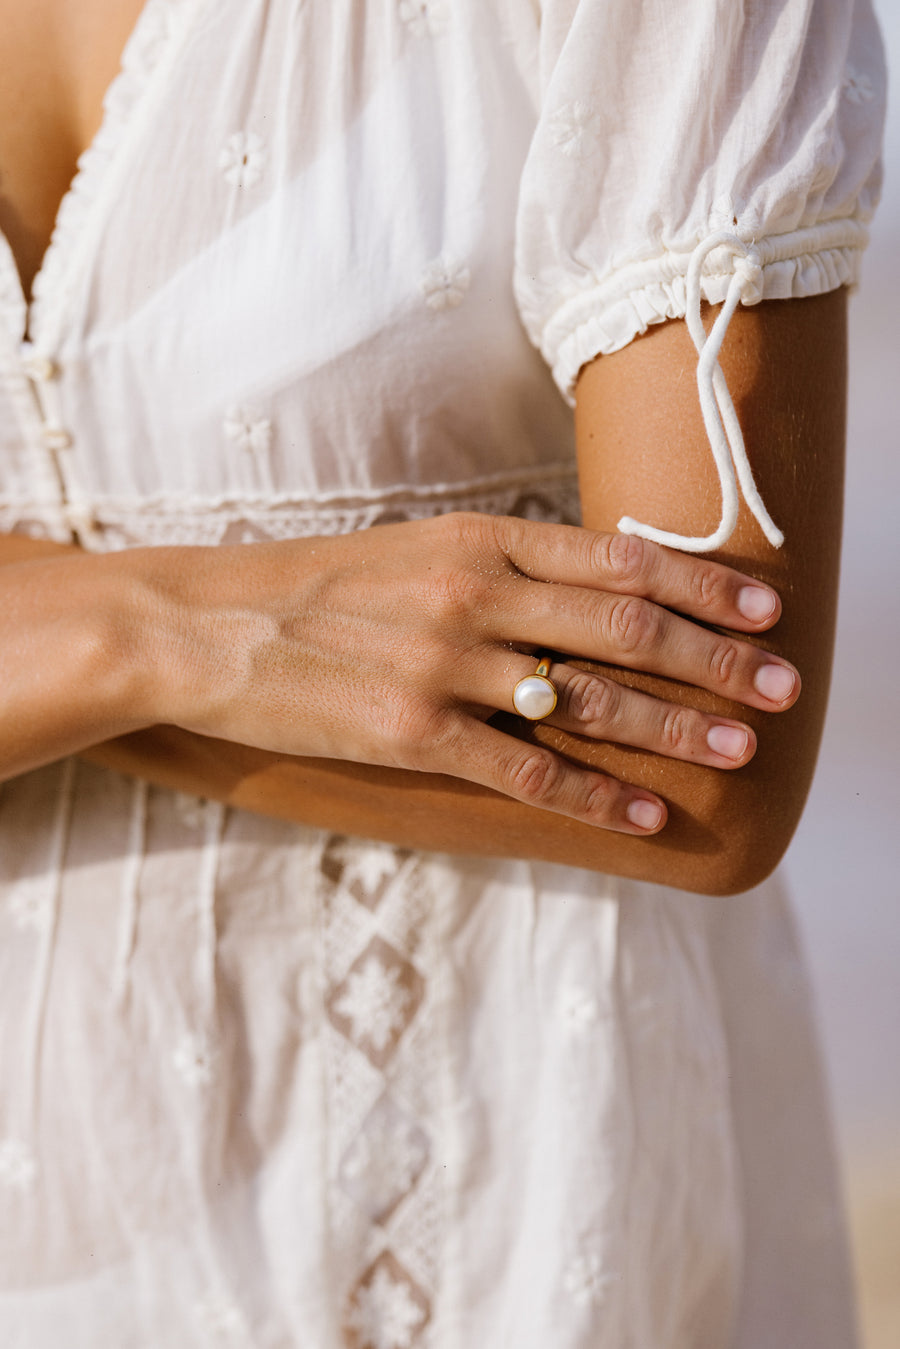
(107, 524)
(383, 992)
(12, 301)
(159, 22)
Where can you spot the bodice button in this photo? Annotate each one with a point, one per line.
(57, 438)
(39, 368)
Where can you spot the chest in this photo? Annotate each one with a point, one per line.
(284, 279)
(59, 58)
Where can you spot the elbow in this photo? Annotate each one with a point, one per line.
(746, 837)
(736, 870)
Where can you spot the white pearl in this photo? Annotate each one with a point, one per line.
(534, 697)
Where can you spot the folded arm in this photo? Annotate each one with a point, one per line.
(642, 451)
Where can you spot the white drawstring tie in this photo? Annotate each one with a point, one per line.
(719, 416)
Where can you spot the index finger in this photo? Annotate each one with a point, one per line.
(624, 564)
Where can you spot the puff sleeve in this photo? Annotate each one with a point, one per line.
(726, 150)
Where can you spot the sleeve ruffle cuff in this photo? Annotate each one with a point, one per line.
(605, 316)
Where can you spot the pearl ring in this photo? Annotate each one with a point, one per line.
(534, 696)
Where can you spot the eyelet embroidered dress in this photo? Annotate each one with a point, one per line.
(261, 1086)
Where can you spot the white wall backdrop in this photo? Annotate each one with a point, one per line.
(844, 865)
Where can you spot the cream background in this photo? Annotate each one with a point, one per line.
(844, 864)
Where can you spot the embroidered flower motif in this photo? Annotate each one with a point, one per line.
(190, 810)
(858, 87)
(194, 1060)
(444, 283)
(385, 1160)
(243, 159)
(369, 870)
(29, 908)
(585, 1281)
(221, 1320)
(248, 430)
(385, 1312)
(576, 129)
(425, 18)
(580, 1009)
(374, 1002)
(18, 1167)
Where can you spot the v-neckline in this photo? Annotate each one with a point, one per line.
(153, 30)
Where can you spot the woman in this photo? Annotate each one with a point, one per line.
(267, 1083)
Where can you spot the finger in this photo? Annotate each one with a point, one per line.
(626, 565)
(639, 635)
(538, 777)
(594, 706)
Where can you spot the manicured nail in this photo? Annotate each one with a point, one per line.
(644, 814)
(756, 604)
(775, 682)
(729, 741)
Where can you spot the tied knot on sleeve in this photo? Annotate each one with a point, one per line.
(748, 269)
(723, 429)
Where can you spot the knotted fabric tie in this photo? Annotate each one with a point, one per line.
(719, 417)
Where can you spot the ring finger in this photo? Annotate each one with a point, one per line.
(594, 706)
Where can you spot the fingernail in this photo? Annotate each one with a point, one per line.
(644, 814)
(775, 682)
(755, 603)
(729, 741)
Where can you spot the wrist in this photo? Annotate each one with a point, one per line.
(150, 634)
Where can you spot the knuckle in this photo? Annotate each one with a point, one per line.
(461, 527)
(593, 701)
(621, 557)
(707, 586)
(467, 535)
(632, 624)
(722, 660)
(602, 798)
(678, 730)
(535, 779)
(456, 594)
(412, 729)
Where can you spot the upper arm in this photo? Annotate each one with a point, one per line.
(643, 451)
(760, 122)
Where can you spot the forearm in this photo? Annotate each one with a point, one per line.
(644, 452)
(413, 809)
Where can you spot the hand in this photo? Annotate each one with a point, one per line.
(394, 646)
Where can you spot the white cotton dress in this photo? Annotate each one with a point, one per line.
(265, 1087)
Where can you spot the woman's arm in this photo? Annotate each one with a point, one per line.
(379, 648)
(785, 365)
(643, 450)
